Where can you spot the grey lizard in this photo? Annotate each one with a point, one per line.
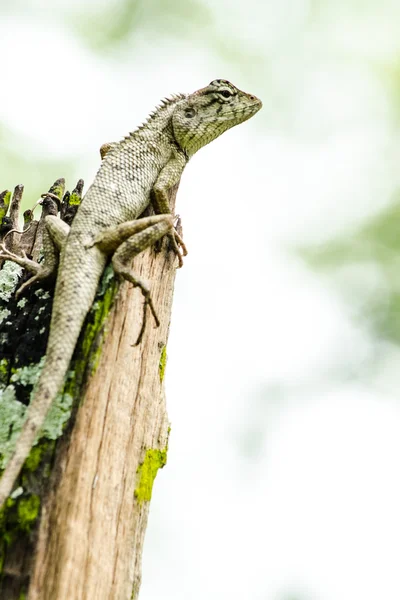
(140, 169)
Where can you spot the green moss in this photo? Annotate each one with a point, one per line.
(88, 354)
(147, 471)
(35, 455)
(28, 217)
(7, 532)
(58, 187)
(74, 199)
(28, 511)
(98, 315)
(4, 204)
(163, 363)
(17, 517)
(4, 367)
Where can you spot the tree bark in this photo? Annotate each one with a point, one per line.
(95, 508)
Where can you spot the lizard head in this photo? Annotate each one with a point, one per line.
(204, 115)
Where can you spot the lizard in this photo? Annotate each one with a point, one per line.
(134, 173)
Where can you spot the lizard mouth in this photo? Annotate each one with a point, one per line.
(256, 104)
(244, 113)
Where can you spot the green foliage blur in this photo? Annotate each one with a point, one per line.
(364, 263)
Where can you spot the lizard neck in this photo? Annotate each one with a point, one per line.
(159, 121)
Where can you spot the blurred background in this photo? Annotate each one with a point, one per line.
(282, 378)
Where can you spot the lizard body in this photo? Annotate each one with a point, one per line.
(140, 169)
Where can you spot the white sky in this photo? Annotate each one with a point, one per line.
(256, 339)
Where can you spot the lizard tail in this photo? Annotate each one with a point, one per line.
(50, 382)
(72, 301)
(55, 368)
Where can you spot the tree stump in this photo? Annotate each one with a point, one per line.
(73, 529)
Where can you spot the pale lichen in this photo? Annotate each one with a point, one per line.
(57, 417)
(44, 294)
(12, 415)
(22, 303)
(4, 313)
(27, 375)
(12, 412)
(9, 276)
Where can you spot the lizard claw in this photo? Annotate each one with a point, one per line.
(21, 260)
(8, 255)
(176, 244)
(25, 285)
(147, 303)
(176, 241)
(40, 272)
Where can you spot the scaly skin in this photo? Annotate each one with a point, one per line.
(151, 159)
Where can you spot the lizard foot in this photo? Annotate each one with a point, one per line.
(40, 276)
(39, 271)
(147, 303)
(176, 241)
(127, 274)
(22, 260)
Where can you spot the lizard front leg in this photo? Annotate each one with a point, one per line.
(54, 237)
(167, 178)
(126, 241)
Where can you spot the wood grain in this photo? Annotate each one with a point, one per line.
(92, 526)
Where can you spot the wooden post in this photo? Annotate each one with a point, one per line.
(95, 506)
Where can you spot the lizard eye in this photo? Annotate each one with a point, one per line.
(189, 113)
(226, 94)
